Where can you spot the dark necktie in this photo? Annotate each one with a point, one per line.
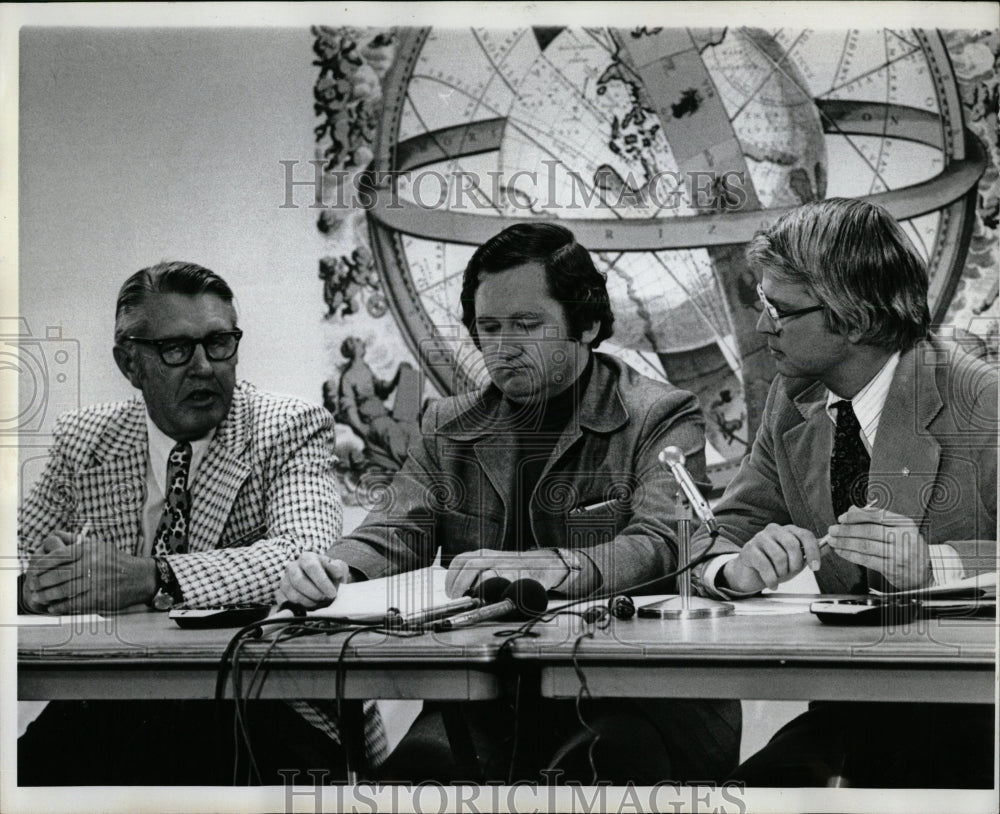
(849, 462)
(172, 532)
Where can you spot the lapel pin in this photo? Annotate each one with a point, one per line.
(906, 471)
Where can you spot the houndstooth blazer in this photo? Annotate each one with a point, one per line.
(264, 493)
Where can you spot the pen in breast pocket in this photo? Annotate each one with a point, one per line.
(593, 507)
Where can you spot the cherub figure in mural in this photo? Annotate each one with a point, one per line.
(346, 95)
(347, 279)
(357, 399)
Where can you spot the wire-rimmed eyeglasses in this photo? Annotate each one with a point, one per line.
(777, 316)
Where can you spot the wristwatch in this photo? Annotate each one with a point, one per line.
(168, 591)
(571, 560)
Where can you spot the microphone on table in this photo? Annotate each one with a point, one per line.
(684, 605)
(484, 593)
(395, 619)
(673, 458)
(521, 600)
(490, 590)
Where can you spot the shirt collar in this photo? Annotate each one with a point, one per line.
(869, 401)
(160, 445)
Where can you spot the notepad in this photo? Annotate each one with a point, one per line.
(970, 586)
(408, 592)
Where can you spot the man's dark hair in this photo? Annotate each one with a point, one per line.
(163, 278)
(570, 275)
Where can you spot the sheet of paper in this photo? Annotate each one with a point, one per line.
(982, 582)
(44, 620)
(409, 592)
(771, 604)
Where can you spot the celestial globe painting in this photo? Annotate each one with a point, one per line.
(663, 150)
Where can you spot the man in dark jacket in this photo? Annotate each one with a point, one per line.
(548, 472)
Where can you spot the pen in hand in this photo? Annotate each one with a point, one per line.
(81, 535)
(824, 541)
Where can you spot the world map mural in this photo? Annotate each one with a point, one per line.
(663, 149)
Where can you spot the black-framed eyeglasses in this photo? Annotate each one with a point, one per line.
(178, 350)
(776, 316)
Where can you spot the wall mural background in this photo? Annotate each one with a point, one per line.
(152, 137)
(664, 150)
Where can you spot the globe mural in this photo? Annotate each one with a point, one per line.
(663, 150)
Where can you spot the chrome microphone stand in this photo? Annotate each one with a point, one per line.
(684, 605)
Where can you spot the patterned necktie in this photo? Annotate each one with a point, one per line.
(323, 716)
(172, 532)
(849, 462)
(376, 739)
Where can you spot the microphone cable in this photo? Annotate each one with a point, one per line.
(231, 669)
(230, 664)
(526, 630)
(258, 677)
(585, 691)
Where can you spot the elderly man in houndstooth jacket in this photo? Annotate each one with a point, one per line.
(199, 492)
(260, 474)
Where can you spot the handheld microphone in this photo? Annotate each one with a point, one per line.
(521, 600)
(395, 619)
(490, 590)
(673, 459)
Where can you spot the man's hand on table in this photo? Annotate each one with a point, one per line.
(543, 565)
(311, 580)
(773, 555)
(886, 542)
(70, 575)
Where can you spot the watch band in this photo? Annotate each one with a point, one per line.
(573, 566)
(166, 582)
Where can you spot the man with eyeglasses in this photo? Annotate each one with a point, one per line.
(875, 467)
(199, 492)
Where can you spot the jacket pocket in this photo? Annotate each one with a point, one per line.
(458, 532)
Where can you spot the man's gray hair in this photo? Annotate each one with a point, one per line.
(163, 278)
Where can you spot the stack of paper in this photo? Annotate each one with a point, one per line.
(977, 585)
(409, 592)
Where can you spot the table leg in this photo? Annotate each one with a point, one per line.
(463, 748)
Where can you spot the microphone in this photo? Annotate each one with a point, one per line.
(673, 458)
(484, 593)
(684, 605)
(521, 600)
(490, 590)
(395, 619)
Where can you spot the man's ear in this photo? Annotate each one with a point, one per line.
(588, 335)
(854, 336)
(128, 365)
